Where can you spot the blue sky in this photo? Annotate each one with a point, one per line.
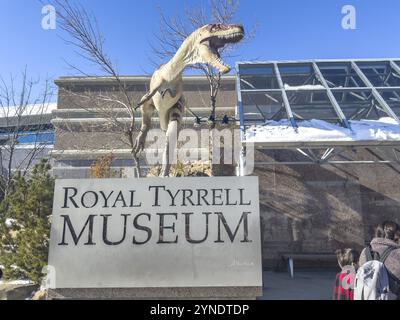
(287, 29)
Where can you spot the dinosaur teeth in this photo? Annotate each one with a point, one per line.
(230, 36)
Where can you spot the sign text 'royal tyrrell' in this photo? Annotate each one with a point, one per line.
(177, 232)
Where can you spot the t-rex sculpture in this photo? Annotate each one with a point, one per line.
(166, 85)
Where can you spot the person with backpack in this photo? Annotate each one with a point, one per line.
(348, 262)
(397, 237)
(378, 277)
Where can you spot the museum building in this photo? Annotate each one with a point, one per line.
(26, 135)
(326, 135)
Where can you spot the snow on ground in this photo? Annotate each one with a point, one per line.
(28, 110)
(384, 129)
(16, 282)
(10, 223)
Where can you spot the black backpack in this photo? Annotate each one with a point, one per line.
(394, 282)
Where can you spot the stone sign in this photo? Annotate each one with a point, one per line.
(156, 233)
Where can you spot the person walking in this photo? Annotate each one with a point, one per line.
(344, 286)
(385, 249)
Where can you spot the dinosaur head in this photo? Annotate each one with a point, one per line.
(213, 37)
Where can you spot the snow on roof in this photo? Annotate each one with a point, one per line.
(28, 110)
(41, 145)
(305, 87)
(384, 129)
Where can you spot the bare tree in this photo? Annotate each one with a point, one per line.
(83, 33)
(110, 116)
(24, 119)
(174, 30)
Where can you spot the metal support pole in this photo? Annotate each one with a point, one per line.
(285, 97)
(395, 67)
(240, 112)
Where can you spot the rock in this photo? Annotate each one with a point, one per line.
(9, 291)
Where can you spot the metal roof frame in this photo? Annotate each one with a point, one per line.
(338, 155)
(357, 86)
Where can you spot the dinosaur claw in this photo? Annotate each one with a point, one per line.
(139, 143)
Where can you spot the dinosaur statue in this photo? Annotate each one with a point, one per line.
(166, 85)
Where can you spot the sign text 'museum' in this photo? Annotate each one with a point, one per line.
(181, 198)
(177, 232)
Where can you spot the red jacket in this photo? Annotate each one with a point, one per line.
(340, 292)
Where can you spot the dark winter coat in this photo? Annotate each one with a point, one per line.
(392, 263)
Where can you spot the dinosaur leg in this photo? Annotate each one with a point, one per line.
(170, 146)
(155, 85)
(175, 120)
(146, 98)
(147, 112)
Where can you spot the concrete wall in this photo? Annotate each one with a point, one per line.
(84, 130)
(320, 208)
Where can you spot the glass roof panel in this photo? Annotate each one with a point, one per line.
(348, 97)
(380, 74)
(294, 75)
(392, 98)
(260, 106)
(359, 104)
(340, 75)
(308, 105)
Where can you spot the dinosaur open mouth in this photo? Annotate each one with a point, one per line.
(215, 43)
(218, 42)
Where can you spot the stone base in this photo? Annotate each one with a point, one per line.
(206, 293)
(17, 292)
